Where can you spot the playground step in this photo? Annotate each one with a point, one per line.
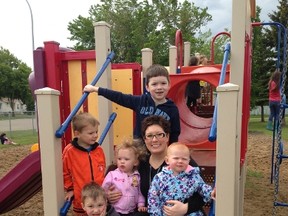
(283, 156)
(281, 204)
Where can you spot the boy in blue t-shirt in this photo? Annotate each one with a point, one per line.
(153, 102)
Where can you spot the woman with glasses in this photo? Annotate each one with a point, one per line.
(155, 132)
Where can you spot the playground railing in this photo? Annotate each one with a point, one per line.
(213, 129)
(59, 133)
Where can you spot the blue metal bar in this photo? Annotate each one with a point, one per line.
(65, 208)
(283, 99)
(280, 204)
(106, 129)
(279, 27)
(213, 129)
(278, 47)
(284, 156)
(59, 133)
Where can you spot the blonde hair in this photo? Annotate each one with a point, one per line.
(92, 190)
(177, 145)
(83, 119)
(203, 60)
(136, 145)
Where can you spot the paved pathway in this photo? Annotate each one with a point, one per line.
(17, 124)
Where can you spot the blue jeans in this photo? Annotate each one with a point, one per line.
(274, 110)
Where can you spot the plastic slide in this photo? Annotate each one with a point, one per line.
(21, 183)
(194, 129)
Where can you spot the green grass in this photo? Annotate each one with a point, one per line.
(255, 174)
(255, 125)
(25, 137)
(251, 177)
(7, 116)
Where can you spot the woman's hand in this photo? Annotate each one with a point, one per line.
(175, 208)
(213, 194)
(113, 194)
(142, 209)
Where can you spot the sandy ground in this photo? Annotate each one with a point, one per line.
(259, 192)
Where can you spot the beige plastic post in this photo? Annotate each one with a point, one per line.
(227, 151)
(240, 28)
(147, 59)
(187, 47)
(102, 49)
(172, 59)
(51, 150)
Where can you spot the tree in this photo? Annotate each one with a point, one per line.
(14, 79)
(261, 63)
(271, 34)
(204, 44)
(139, 24)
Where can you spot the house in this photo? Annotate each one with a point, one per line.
(19, 107)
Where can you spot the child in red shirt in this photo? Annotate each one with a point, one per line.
(83, 159)
(274, 98)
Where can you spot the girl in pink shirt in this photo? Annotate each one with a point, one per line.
(274, 98)
(126, 178)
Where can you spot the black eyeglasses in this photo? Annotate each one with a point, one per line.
(158, 136)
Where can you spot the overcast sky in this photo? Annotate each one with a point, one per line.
(51, 18)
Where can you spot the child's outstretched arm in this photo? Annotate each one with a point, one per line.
(90, 88)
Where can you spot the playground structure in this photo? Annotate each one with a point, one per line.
(277, 145)
(54, 107)
(53, 82)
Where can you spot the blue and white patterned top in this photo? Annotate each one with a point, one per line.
(165, 186)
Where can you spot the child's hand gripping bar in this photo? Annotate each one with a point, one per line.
(66, 206)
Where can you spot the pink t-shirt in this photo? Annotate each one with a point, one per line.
(274, 93)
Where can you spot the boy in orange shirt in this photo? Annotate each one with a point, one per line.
(83, 159)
